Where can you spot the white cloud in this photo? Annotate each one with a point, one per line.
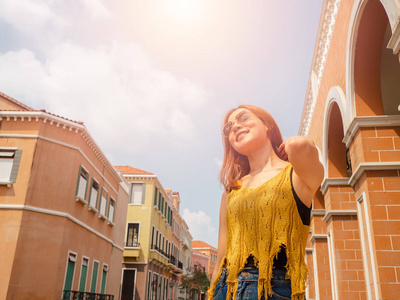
(123, 99)
(31, 16)
(200, 226)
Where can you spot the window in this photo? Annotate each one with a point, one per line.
(159, 200)
(132, 238)
(103, 202)
(111, 210)
(95, 271)
(152, 237)
(154, 286)
(69, 276)
(155, 196)
(104, 279)
(148, 286)
(81, 187)
(94, 195)
(137, 193)
(156, 244)
(84, 269)
(9, 163)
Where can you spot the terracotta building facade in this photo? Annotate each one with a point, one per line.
(62, 208)
(351, 111)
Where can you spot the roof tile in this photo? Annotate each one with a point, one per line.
(128, 170)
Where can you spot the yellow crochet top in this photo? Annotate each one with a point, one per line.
(259, 221)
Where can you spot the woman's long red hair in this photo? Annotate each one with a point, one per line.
(236, 165)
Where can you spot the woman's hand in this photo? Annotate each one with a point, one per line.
(282, 152)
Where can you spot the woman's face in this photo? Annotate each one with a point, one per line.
(245, 131)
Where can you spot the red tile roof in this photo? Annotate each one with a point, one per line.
(201, 244)
(128, 170)
(17, 102)
(168, 191)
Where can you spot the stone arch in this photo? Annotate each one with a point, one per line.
(384, 15)
(335, 126)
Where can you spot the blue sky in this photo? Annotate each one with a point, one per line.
(152, 79)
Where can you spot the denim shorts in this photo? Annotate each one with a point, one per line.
(248, 285)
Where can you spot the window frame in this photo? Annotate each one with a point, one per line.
(90, 206)
(111, 220)
(127, 235)
(101, 214)
(143, 193)
(82, 170)
(16, 161)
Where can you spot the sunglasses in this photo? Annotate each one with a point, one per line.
(240, 118)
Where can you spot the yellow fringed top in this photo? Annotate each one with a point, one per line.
(259, 221)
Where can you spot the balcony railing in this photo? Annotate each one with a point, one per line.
(171, 260)
(75, 295)
(155, 247)
(132, 244)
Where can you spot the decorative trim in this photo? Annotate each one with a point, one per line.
(7, 183)
(35, 136)
(326, 26)
(64, 123)
(341, 212)
(333, 181)
(372, 166)
(394, 42)
(317, 212)
(309, 250)
(371, 121)
(60, 214)
(317, 236)
(81, 200)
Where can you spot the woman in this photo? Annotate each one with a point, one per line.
(265, 209)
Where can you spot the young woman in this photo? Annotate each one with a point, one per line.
(265, 209)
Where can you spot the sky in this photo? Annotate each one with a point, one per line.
(152, 79)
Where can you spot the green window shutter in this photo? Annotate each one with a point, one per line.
(79, 178)
(82, 283)
(70, 272)
(155, 196)
(15, 166)
(103, 282)
(94, 277)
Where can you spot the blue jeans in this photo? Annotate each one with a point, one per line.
(248, 285)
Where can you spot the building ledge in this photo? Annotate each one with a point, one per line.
(343, 212)
(7, 183)
(93, 209)
(81, 200)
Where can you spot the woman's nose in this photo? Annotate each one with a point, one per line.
(236, 126)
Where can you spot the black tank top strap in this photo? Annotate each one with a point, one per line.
(304, 211)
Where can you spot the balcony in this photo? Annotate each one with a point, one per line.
(132, 249)
(158, 254)
(75, 295)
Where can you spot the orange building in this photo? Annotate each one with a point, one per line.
(351, 111)
(62, 208)
(209, 251)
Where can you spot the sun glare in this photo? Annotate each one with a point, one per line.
(183, 10)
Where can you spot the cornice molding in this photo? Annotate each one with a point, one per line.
(64, 124)
(318, 236)
(369, 121)
(325, 31)
(317, 212)
(338, 212)
(333, 181)
(372, 166)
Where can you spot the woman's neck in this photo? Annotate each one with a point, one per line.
(262, 159)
